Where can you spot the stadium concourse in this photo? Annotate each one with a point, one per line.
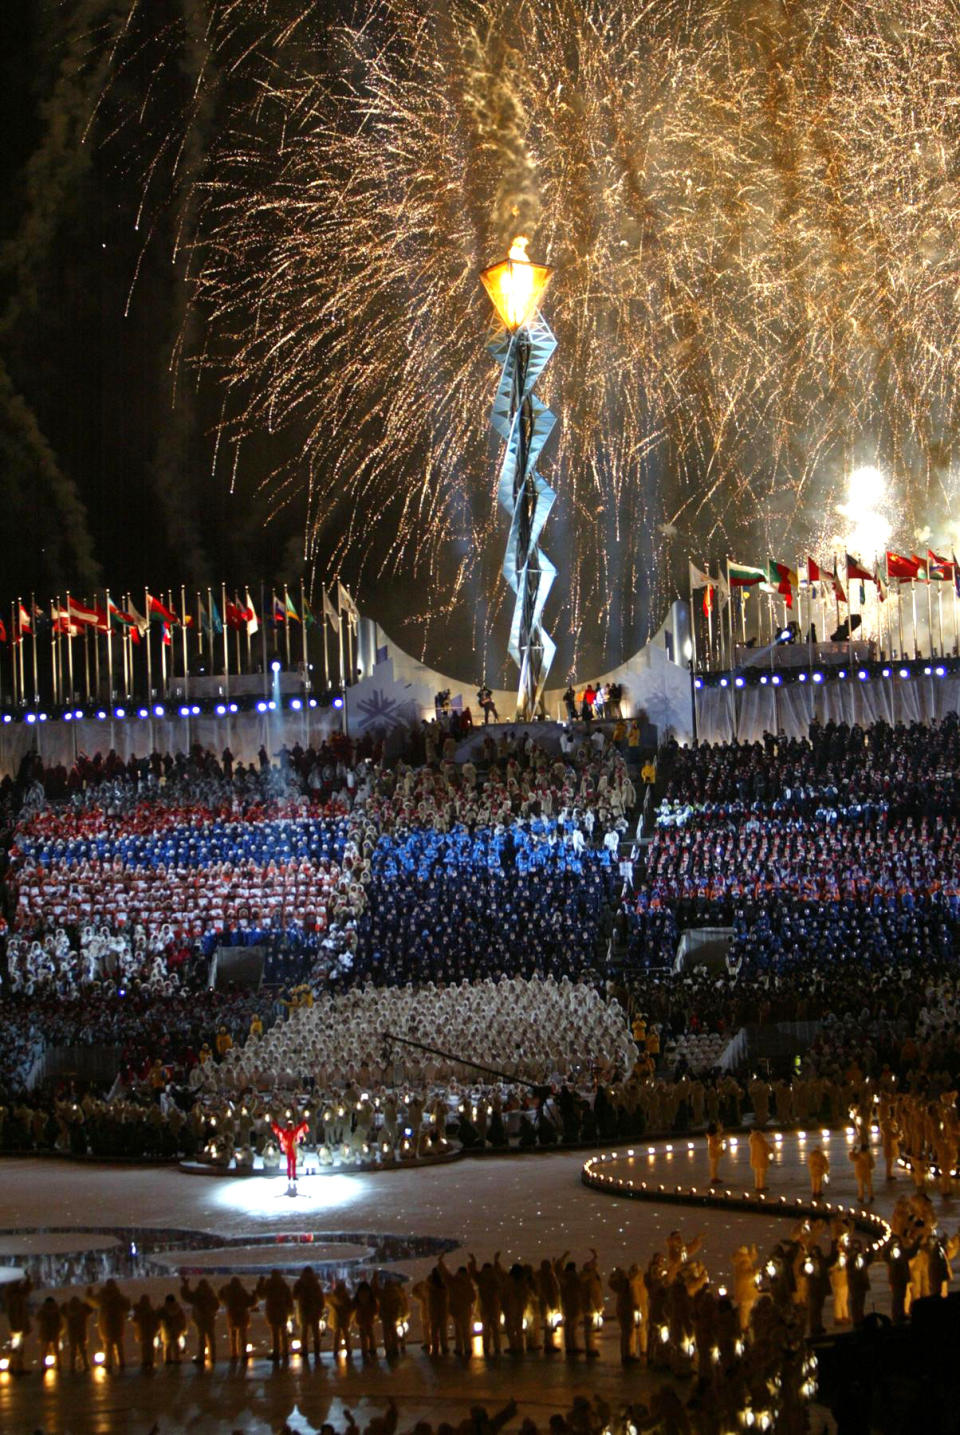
(463, 960)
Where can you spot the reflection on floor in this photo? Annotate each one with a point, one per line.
(527, 1207)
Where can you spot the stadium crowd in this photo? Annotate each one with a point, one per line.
(480, 902)
(424, 919)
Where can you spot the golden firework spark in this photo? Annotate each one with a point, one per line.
(753, 210)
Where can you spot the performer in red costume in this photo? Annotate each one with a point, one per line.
(289, 1138)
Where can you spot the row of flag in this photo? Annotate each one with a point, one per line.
(71, 618)
(781, 578)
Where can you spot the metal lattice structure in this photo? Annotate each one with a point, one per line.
(525, 423)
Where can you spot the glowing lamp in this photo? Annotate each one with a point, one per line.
(516, 285)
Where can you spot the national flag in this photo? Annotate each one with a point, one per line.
(922, 570)
(250, 616)
(901, 567)
(782, 578)
(940, 568)
(290, 610)
(122, 621)
(155, 609)
(79, 613)
(210, 620)
(60, 618)
(279, 612)
(165, 635)
(741, 575)
(24, 621)
(347, 605)
(699, 579)
(855, 570)
(139, 621)
(881, 586)
(3, 631)
(235, 616)
(103, 619)
(308, 617)
(956, 573)
(330, 612)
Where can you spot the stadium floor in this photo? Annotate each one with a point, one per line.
(527, 1206)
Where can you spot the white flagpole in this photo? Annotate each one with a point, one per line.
(146, 638)
(33, 645)
(54, 663)
(226, 640)
(106, 594)
(693, 625)
(125, 646)
(286, 624)
(183, 630)
(69, 651)
(886, 562)
(303, 633)
(16, 634)
(326, 655)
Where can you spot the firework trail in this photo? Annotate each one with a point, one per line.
(754, 210)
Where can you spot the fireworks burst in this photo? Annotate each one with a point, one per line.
(754, 211)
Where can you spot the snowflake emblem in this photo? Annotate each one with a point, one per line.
(380, 712)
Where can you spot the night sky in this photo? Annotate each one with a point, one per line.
(105, 477)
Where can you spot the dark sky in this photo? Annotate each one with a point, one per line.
(103, 476)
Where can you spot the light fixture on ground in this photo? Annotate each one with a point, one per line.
(515, 286)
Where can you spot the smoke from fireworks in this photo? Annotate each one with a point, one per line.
(754, 210)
